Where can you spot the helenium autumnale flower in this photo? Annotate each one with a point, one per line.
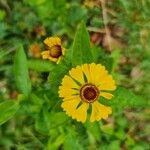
(82, 88)
(54, 51)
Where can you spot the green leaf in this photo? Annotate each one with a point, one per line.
(106, 61)
(34, 2)
(94, 130)
(114, 145)
(42, 122)
(57, 118)
(21, 73)
(75, 14)
(56, 143)
(40, 65)
(81, 47)
(102, 58)
(7, 110)
(3, 30)
(46, 120)
(96, 52)
(36, 100)
(116, 57)
(56, 75)
(71, 142)
(2, 15)
(124, 98)
(33, 104)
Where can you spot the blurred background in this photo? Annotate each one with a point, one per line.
(120, 28)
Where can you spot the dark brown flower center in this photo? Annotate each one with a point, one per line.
(89, 93)
(55, 51)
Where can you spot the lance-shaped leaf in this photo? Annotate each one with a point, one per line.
(81, 47)
(7, 110)
(40, 65)
(21, 73)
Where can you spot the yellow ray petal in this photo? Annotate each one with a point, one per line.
(70, 106)
(107, 83)
(69, 82)
(67, 92)
(53, 59)
(100, 73)
(86, 70)
(107, 79)
(107, 86)
(80, 113)
(63, 50)
(45, 54)
(106, 95)
(99, 111)
(52, 41)
(71, 98)
(58, 60)
(77, 74)
(93, 72)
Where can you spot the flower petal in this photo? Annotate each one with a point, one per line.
(107, 86)
(69, 82)
(52, 41)
(99, 111)
(45, 54)
(93, 72)
(67, 92)
(53, 59)
(86, 71)
(77, 74)
(70, 106)
(99, 73)
(106, 95)
(107, 83)
(63, 50)
(58, 60)
(80, 113)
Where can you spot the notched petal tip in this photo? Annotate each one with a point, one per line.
(99, 112)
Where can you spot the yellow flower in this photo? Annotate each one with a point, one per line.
(82, 88)
(55, 51)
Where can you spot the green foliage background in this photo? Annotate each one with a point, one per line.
(31, 117)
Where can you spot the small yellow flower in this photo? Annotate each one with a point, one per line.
(83, 87)
(55, 51)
